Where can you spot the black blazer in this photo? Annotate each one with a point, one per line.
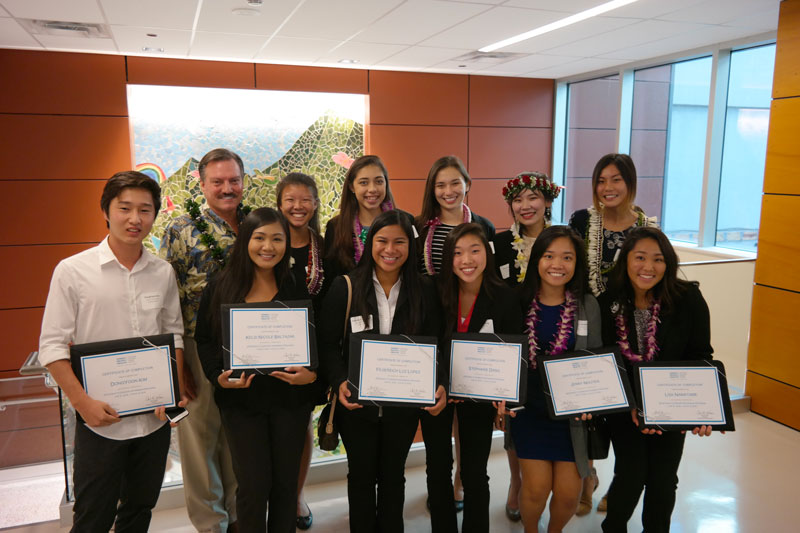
(264, 390)
(504, 254)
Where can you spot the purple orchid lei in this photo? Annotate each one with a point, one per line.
(650, 335)
(565, 326)
(360, 233)
(428, 249)
(314, 274)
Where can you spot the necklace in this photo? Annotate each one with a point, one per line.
(565, 326)
(518, 244)
(314, 271)
(428, 249)
(193, 209)
(650, 335)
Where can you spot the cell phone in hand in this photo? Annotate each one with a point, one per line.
(176, 414)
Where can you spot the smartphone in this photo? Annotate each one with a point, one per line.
(176, 414)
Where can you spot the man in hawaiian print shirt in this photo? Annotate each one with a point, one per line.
(196, 244)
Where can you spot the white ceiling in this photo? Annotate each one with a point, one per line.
(418, 35)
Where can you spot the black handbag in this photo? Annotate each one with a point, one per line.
(599, 439)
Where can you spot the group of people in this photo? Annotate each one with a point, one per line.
(608, 278)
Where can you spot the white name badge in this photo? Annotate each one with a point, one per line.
(358, 324)
(583, 328)
(416, 233)
(491, 245)
(505, 271)
(152, 300)
(488, 326)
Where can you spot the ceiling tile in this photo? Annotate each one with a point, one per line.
(175, 14)
(718, 11)
(225, 45)
(13, 36)
(529, 64)
(365, 53)
(290, 49)
(646, 9)
(676, 44)
(585, 28)
(338, 20)
(76, 44)
(766, 20)
(216, 16)
(72, 11)
(571, 7)
(421, 57)
(131, 40)
(488, 2)
(3, 12)
(417, 20)
(580, 66)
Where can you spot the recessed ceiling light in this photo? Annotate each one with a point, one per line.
(151, 49)
(348, 61)
(572, 19)
(246, 12)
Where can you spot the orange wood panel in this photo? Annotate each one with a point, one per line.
(783, 151)
(505, 152)
(773, 335)
(316, 79)
(62, 83)
(408, 195)
(20, 329)
(409, 151)
(63, 147)
(522, 102)
(30, 446)
(786, 81)
(773, 399)
(485, 198)
(418, 98)
(190, 73)
(778, 245)
(31, 415)
(52, 212)
(28, 270)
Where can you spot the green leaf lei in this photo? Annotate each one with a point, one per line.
(193, 208)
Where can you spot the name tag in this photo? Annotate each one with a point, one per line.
(488, 326)
(416, 233)
(505, 271)
(152, 300)
(583, 328)
(357, 323)
(306, 267)
(491, 245)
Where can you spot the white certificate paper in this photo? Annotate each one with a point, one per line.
(131, 381)
(485, 370)
(585, 384)
(397, 372)
(681, 395)
(269, 338)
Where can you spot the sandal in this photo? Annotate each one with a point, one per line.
(585, 504)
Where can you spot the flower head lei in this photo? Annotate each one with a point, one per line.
(193, 209)
(314, 272)
(650, 335)
(565, 325)
(432, 224)
(360, 232)
(535, 181)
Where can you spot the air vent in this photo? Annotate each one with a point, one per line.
(86, 30)
(485, 58)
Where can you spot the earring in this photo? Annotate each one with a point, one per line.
(548, 213)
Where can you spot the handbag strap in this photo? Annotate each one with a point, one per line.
(329, 425)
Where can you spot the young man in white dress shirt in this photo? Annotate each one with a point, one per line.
(115, 290)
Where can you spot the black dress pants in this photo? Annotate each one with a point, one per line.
(117, 478)
(437, 432)
(377, 448)
(642, 462)
(475, 427)
(266, 446)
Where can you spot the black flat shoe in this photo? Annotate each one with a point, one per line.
(304, 522)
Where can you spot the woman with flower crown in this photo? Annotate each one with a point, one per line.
(560, 317)
(651, 315)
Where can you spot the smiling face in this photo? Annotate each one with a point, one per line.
(222, 186)
(528, 208)
(646, 266)
(557, 264)
(267, 246)
(130, 216)
(611, 189)
(390, 249)
(369, 187)
(449, 188)
(298, 205)
(469, 259)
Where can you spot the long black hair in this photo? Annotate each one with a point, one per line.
(448, 281)
(668, 290)
(236, 279)
(532, 283)
(410, 277)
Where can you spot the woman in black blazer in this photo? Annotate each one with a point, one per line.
(265, 416)
(651, 315)
(474, 300)
(388, 296)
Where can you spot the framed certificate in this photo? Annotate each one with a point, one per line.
(392, 370)
(488, 367)
(683, 395)
(267, 336)
(133, 375)
(585, 381)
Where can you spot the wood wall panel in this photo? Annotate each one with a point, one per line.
(50, 212)
(783, 155)
(408, 195)
(409, 151)
(786, 81)
(316, 79)
(418, 98)
(505, 152)
(486, 199)
(63, 147)
(773, 399)
(773, 335)
(30, 268)
(778, 245)
(191, 73)
(62, 83)
(511, 102)
(20, 330)
(30, 446)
